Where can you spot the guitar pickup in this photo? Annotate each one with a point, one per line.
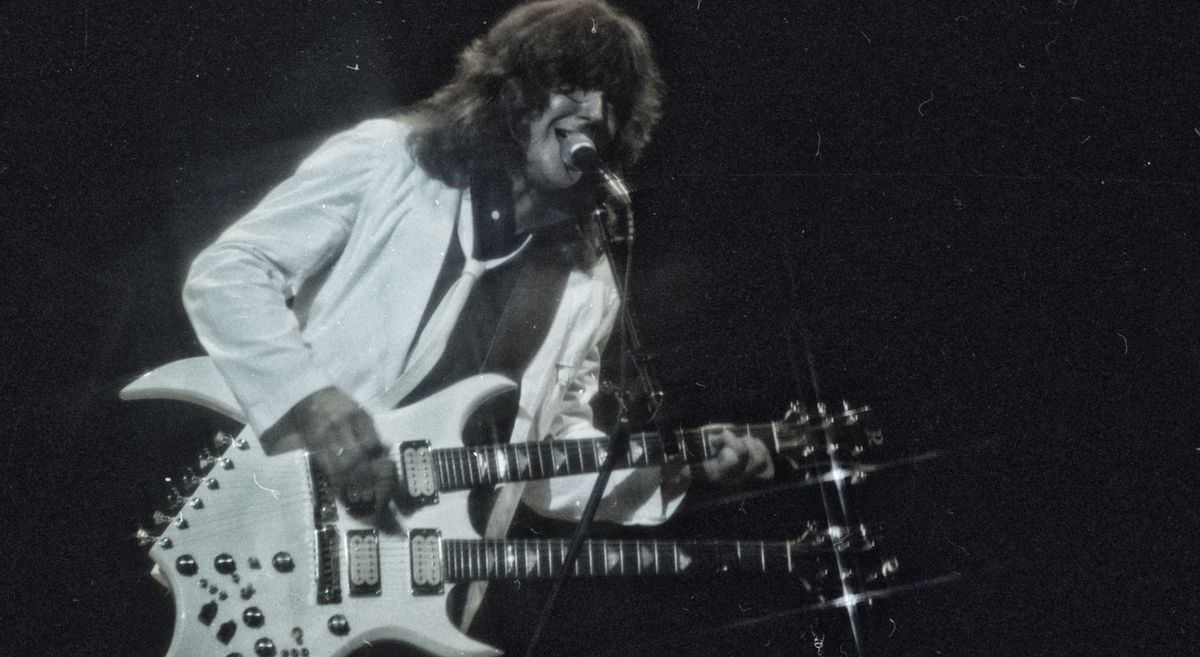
(420, 487)
(425, 551)
(362, 561)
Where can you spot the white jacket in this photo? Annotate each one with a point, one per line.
(356, 238)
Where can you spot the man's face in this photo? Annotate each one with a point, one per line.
(569, 111)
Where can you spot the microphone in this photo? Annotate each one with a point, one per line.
(579, 151)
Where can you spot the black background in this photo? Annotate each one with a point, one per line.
(979, 216)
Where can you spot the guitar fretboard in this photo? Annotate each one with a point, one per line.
(471, 560)
(465, 467)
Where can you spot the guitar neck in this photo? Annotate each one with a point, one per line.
(499, 559)
(466, 467)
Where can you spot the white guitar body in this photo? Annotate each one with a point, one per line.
(244, 557)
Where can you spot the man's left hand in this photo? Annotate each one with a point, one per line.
(739, 459)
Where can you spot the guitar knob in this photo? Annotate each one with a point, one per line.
(224, 564)
(339, 625)
(253, 617)
(264, 647)
(283, 562)
(186, 565)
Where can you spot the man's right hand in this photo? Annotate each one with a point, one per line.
(340, 436)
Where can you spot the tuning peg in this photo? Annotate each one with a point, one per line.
(161, 519)
(206, 460)
(144, 537)
(796, 412)
(176, 499)
(190, 479)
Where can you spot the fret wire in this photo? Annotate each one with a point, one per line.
(775, 435)
(549, 558)
(544, 452)
(655, 449)
(595, 444)
(528, 461)
(541, 473)
(762, 554)
(502, 455)
(788, 547)
(489, 457)
(437, 467)
(448, 466)
(656, 569)
(449, 482)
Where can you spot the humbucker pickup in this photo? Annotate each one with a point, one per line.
(420, 476)
(425, 550)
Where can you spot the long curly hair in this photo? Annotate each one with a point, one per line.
(480, 119)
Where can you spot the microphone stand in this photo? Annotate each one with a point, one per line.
(619, 434)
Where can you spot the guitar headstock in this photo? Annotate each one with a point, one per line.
(845, 431)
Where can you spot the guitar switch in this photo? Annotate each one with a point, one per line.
(226, 631)
(207, 613)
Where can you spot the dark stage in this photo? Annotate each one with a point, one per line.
(978, 217)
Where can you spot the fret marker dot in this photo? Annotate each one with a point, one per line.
(495, 215)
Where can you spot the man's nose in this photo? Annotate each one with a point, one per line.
(591, 106)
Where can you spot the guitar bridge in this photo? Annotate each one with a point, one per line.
(329, 588)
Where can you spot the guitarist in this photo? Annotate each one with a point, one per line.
(411, 251)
